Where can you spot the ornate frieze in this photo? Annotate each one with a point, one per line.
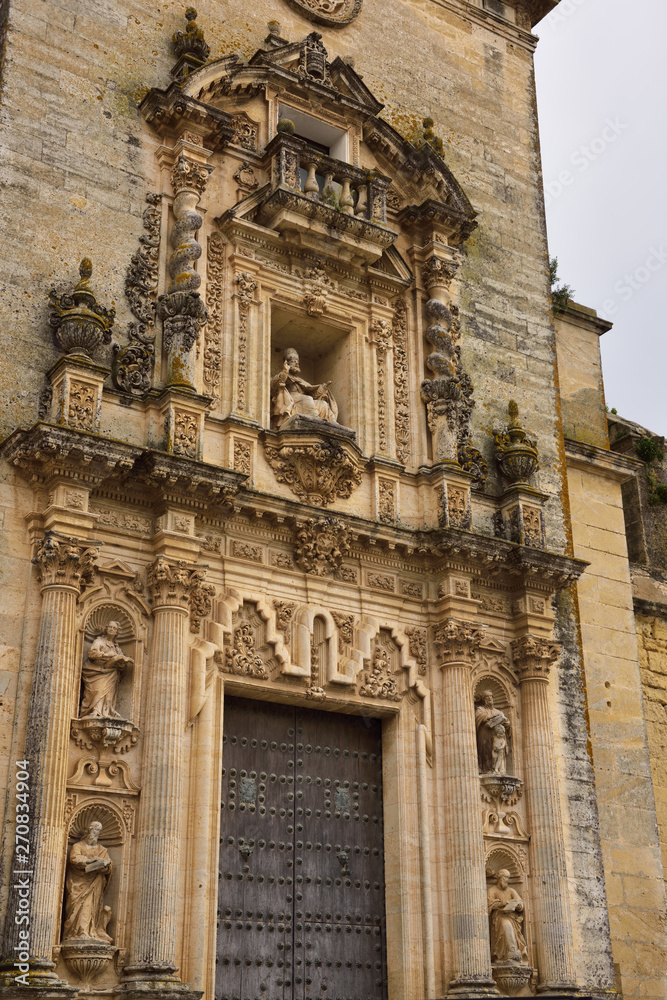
(133, 363)
(319, 546)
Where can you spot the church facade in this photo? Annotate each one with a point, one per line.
(320, 673)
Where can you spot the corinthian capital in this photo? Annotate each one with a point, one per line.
(178, 584)
(457, 641)
(63, 561)
(533, 656)
(186, 175)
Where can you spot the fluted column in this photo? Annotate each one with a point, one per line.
(456, 643)
(63, 564)
(533, 657)
(153, 968)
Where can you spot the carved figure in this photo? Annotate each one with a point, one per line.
(493, 730)
(506, 916)
(88, 875)
(101, 674)
(292, 395)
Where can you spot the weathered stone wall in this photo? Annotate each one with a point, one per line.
(652, 636)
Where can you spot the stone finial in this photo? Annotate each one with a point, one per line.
(517, 456)
(80, 324)
(274, 40)
(191, 42)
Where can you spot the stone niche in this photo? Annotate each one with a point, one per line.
(325, 355)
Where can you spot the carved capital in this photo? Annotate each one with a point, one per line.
(186, 175)
(532, 657)
(64, 562)
(178, 584)
(438, 272)
(457, 641)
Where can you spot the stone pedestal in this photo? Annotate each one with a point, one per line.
(77, 392)
(456, 642)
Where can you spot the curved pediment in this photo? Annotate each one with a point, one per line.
(325, 161)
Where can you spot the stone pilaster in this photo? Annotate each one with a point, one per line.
(63, 565)
(153, 970)
(533, 657)
(456, 643)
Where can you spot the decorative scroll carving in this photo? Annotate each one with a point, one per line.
(381, 334)
(201, 600)
(318, 472)
(215, 266)
(320, 546)
(186, 434)
(64, 561)
(412, 589)
(381, 581)
(387, 503)
(379, 682)
(243, 658)
(457, 641)
(245, 135)
(457, 506)
(401, 400)
(245, 292)
(284, 614)
(317, 287)
(245, 550)
(245, 177)
(133, 363)
(82, 406)
(345, 626)
(417, 638)
(242, 456)
(80, 324)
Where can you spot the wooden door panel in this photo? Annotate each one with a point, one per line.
(301, 912)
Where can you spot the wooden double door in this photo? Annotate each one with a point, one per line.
(301, 912)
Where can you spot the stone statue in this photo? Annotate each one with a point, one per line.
(88, 875)
(506, 921)
(291, 395)
(101, 674)
(493, 729)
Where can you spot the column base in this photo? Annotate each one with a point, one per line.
(561, 989)
(155, 982)
(38, 982)
(473, 988)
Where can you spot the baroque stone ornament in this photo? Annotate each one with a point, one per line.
(516, 455)
(330, 12)
(457, 641)
(201, 600)
(493, 732)
(401, 398)
(506, 918)
(171, 584)
(101, 675)
(317, 287)
(317, 469)
(319, 546)
(181, 309)
(244, 294)
(242, 658)
(190, 46)
(533, 656)
(133, 363)
(379, 681)
(63, 561)
(80, 324)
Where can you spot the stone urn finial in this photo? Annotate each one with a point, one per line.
(516, 454)
(191, 42)
(80, 324)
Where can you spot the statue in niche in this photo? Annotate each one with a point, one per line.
(101, 674)
(88, 874)
(293, 396)
(493, 731)
(506, 915)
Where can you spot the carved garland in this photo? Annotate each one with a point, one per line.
(401, 404)
(246, 285)
(381, 333)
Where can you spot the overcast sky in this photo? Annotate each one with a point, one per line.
(601, 90)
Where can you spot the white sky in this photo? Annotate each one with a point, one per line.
(600, 68)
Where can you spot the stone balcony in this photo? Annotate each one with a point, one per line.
(331, 206)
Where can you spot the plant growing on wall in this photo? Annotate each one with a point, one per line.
(560, 293)
(650, 451)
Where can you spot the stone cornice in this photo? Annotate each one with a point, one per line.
(601, 461)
